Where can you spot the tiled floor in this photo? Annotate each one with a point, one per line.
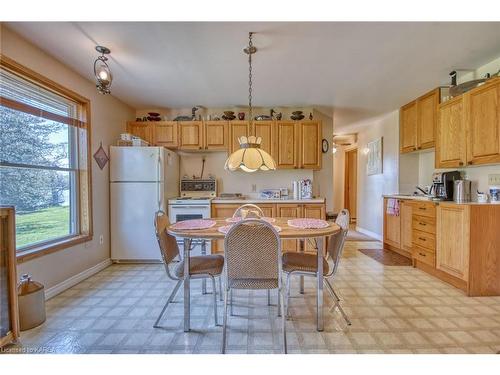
(393, 310)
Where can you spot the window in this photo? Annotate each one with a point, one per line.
(44, 159)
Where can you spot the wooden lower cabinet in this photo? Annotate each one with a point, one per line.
(452, 252)
(282, 210)
(8, 278)
(392, 228)
(457, 243)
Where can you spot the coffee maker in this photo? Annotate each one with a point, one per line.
(442, 185)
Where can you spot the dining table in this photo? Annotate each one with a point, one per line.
(317, 236)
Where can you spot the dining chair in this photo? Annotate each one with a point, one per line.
(306, 264)
(253, 261)
(247, 211)
(203, 266)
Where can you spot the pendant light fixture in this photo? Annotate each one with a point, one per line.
(250, 157)
(102, 72)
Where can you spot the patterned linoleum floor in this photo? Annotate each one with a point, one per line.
(393, 310)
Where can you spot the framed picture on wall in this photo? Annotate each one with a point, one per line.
(374, 162)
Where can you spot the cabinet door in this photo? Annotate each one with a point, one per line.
(221, 211)
(289, 211)
(452, 247)
(191, 135)
(392, 228)
(427, 111)
(286, 144)
(216, 135)
(406, 213)
(265, 130)
(236, 130)
(310, 145)
(269, 210)
(450, 135)
(408, 127)
(313, 211)
(483, 124)
(143, 130)
(165, 134)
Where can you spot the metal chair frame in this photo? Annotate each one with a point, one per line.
(167, 266)
(329, 276)
(228, 290)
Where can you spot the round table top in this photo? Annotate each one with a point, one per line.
(286, 231)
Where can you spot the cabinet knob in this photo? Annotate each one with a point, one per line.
(200, 147)
(461, 163)
(422, 239)
(422, 254)
(423, 224)
(469, 163)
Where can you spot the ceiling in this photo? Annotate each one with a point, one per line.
(360, 69)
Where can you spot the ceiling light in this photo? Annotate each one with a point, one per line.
(102, 72)
(250, 157)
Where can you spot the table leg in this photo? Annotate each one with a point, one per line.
(187, 297)
(204, 280)
(319, 279)
(301, 277)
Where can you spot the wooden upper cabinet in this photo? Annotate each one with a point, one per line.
(408, 127)
(236, 130)
(453, 240)
(286, 142)
(427, 113)
(143, 130)
(216, 135)
(265, 130)
(310, 136)
(191, 135)
(165, 134)
(483, 124)
(450, 134)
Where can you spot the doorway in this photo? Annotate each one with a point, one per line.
(351, 182)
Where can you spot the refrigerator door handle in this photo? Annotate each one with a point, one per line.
(158, 184)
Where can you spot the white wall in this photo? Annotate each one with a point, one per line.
(108, 119)
(371, 188)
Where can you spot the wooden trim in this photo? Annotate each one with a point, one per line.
(26, 255)
(402, 252)
(347, 205)
(8, 216)
(84, 175)
(22, 107)
(456, 282)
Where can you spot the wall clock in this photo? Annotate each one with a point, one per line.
(324, 146)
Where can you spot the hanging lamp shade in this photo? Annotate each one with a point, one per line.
(250, 157)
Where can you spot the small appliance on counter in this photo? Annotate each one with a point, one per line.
(495, 194)
(302, 189)
(270, 194)
(462, 191)
(443, 185)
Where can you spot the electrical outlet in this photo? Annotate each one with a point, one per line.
(101, 239)
(494, 179)
(254, 188)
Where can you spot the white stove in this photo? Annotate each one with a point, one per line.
(194, 203)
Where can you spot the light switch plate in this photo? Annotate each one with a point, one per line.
(494, 179)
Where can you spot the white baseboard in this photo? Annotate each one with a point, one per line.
(73, 280)
(369, 233)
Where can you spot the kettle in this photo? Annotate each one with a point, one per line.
(462, 191)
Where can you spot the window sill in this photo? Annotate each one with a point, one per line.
(29, 254)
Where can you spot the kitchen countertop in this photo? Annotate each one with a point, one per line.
(425, 199)
(260, 200)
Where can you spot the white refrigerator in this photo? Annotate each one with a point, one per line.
(142, 179)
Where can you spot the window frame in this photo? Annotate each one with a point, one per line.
(84, 232)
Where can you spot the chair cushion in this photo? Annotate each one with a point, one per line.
(293, 261)
(204, 264)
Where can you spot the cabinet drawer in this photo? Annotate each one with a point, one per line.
(423, 239)
(424, 224)
(424, 209)
(424, 256)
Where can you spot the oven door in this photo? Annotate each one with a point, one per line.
(178, 212)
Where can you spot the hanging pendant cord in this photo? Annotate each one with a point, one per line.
(250, 47)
